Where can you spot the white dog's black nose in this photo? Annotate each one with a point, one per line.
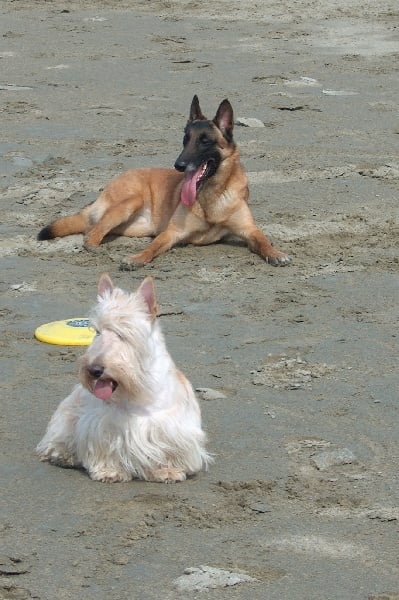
(95, 371)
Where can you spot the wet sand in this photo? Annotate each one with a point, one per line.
(301, 361)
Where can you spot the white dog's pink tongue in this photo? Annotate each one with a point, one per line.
(103, 389)
(189, 189)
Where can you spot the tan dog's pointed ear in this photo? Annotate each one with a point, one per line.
(105, 285)
(195, 111)
(224, 119)
(147, 291)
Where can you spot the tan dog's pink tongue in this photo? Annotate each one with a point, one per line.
(103, 389)
(189, 189)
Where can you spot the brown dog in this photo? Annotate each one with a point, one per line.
(202, 200)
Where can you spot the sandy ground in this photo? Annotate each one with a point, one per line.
(303, 495)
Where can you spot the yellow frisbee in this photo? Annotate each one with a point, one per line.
(69, 332)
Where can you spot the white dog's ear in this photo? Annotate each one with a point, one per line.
(147, 291)
(105, 285)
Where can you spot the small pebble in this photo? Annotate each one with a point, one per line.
(249, 122)
(325, 460)
(210, 394)
(208, 578)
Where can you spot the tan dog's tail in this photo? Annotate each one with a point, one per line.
(65, 226)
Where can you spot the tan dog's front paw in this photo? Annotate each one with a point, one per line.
(134, 262)
(140, 259)
(279, 259)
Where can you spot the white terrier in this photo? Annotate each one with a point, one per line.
(134, 415)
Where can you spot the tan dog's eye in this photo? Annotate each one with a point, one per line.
(205, 140)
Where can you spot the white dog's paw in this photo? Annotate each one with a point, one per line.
(108, 475)
(59, 456)
(166, 475)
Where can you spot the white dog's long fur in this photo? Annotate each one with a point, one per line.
(148, 426)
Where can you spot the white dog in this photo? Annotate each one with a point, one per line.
(134, 415)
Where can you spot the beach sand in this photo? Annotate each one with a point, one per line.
(299, 364)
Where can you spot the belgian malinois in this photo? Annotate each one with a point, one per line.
(202, 200)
